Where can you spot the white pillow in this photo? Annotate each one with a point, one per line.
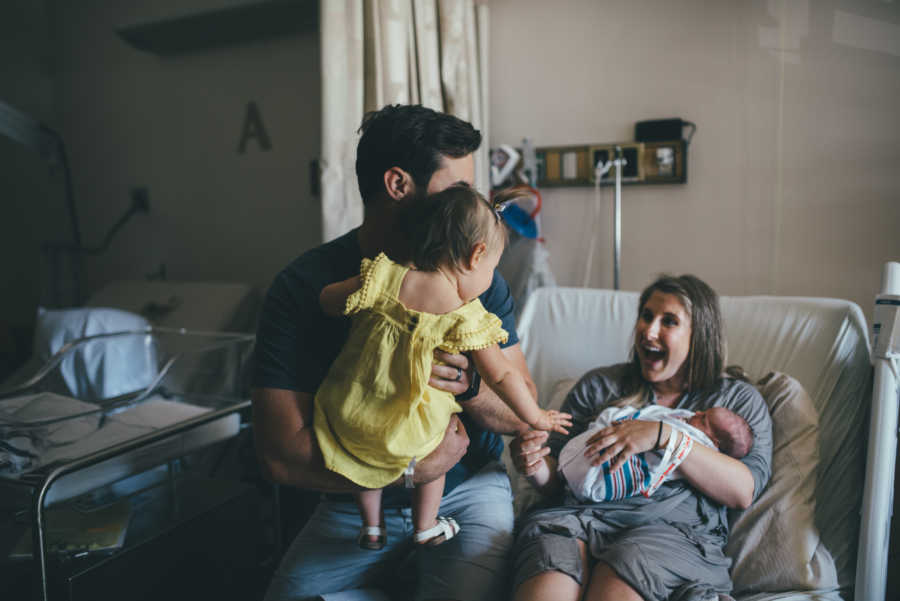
(524, 495)
(101, 368)
(775, 544)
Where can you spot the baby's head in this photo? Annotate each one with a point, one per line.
(728, 430)
(456, 229)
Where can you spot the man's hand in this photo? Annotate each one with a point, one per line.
(451, 372)
(445, 456)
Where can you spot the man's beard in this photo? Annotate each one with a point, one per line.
(400, 248)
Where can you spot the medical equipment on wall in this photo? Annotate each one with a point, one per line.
(872, 554)
(525, 263)
(657, 156)
(601, 169)
(504, 159)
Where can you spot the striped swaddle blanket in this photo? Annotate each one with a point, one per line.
(643, 473)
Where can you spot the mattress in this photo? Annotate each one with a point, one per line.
(72, 430)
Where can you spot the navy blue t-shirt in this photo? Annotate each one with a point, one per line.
(296, 342)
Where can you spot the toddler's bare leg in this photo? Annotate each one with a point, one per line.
(369, 503)
(425, 506)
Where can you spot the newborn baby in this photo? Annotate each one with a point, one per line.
(717, 427)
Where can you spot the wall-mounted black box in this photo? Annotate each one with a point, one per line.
(658, 130)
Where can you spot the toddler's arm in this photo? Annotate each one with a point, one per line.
(508, 383)
(333, 298)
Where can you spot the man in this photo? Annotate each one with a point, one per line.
(404, 152)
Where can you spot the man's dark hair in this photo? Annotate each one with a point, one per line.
(413, 138)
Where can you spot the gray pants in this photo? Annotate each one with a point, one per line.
(660, 560)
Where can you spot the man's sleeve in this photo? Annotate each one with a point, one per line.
(499, 301)
(284, 356)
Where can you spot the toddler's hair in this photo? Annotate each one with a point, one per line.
(442, 228)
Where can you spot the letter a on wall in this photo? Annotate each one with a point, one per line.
(253, 129)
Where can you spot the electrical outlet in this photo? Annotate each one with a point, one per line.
(631, 152)
(140, 199)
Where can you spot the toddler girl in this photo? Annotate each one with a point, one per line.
(375, 413)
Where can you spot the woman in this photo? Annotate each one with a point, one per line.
(667, 546)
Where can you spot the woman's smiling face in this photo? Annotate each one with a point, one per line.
(662, 342)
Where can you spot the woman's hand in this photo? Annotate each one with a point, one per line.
(531, 459)
(451, 372)
(527, 451)
(618, 442)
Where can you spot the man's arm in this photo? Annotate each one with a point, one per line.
(289, 453)
(487, 409)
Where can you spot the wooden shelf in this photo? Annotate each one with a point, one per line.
(256, 20)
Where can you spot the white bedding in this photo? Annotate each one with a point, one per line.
(82, 436)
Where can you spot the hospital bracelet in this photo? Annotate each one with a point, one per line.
(658, 436)
(408, 474)
(472, 390)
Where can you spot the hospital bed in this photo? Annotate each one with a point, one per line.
(799, 540)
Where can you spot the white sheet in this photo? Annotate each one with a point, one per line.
(88, 435)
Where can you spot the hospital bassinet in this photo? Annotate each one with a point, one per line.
(110, 406)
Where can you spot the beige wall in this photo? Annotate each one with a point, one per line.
(173, 124)
(794, 172)
(793, 184)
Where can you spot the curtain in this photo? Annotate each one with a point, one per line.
(378, 52)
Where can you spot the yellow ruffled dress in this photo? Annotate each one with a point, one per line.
(375, 411)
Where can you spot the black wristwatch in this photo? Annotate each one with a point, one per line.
(472, 390)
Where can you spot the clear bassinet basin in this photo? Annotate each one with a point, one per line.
(120, 403)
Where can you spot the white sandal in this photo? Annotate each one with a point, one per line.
(372, 545)
(446, 527)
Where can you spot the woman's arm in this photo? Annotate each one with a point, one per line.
(333, 298)
(716, 475)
